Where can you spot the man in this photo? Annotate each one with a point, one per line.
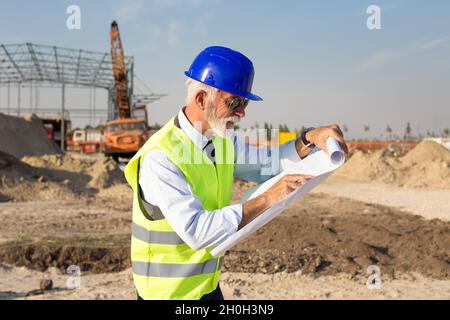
(182, 180)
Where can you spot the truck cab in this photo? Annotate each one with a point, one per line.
(124, 137)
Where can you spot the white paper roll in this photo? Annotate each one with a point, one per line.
(335, 152)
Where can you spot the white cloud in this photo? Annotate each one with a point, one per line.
(375, 60)
(433, 43)
(383, 57)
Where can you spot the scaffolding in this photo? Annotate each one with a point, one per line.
(32, 65)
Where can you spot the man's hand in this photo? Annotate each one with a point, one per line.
(287, 184)
(320, 135)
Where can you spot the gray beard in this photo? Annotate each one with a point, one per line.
(219, 125)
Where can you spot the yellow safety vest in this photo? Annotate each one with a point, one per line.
(164, 267)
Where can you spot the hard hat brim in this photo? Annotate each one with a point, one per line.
(253, 97)
(249, 96)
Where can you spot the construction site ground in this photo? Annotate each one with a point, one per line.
(319, 248)
(377, 210)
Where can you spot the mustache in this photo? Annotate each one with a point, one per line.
(234, 119)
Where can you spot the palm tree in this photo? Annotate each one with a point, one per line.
(156, 126)
(298, 132)
(389, 131)
(268, 129)
(407, 131)
(345, 128)
(284, 128)
(446, 132)
(100, 127)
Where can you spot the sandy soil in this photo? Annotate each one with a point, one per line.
(318, 249)
(38, 219)
(318, 234)
(425, 166)
(428, 203)
(22, 283)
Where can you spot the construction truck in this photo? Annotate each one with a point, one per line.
(125, 135)
(87, 141)
(53, 127)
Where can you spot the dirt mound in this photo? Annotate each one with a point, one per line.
(106, 173)
(13, 166)
(427, 165)
(58, 162)
(55, 177)
(21, 182)
(21, 136)
(369, 167)
(427, 151)
(97, 173)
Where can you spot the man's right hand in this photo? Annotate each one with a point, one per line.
(283, 187)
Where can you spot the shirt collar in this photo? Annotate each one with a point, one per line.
(199, 139)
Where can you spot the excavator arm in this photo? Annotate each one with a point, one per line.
(120, 76)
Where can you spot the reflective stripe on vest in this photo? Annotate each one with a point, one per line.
(159, 237)
(174, 270)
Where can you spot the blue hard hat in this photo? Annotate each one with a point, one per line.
(224, 69)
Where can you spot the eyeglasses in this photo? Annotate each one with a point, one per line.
(237, 102)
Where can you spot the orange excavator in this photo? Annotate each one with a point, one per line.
(125, 135)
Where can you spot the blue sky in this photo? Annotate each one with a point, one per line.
(316, 62)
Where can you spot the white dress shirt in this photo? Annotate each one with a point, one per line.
(163, 185)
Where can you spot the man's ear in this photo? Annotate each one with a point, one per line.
(200, 99)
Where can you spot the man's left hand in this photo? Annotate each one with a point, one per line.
(320, 135)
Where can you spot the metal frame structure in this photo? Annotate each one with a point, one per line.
(30, 62)
(43, 65)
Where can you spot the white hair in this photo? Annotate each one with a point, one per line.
(193, 86)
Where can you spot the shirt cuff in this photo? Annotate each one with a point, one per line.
(232, 218)
(288, 155)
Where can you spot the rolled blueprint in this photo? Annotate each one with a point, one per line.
(318, 164)
(335, 152)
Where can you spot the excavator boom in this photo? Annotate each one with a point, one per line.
(120, 76)
(125, 135)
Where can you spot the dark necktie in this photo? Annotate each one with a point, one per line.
(210, 151)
